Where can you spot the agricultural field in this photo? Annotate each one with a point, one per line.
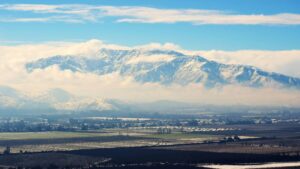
(190, 146)
(67, 141)
(184, 138)
(82, 145)
(147, 146)
(49, 135)
(241, 147)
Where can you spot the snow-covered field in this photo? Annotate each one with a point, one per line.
(254, 166)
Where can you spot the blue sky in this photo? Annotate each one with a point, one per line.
(220, 36)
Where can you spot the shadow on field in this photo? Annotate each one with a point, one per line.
(143, 155)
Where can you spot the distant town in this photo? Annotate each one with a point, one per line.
(189, 124)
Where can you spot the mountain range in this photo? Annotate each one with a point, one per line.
(61, 101)
(166, 67)
(52, 100)
(145, 66)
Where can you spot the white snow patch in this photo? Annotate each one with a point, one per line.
(150, 59)
(254, 166)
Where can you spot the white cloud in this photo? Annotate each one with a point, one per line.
(137, 14)
(166, 46)
(195, 16)
(30, 7)
(285, 61)
(14, 74)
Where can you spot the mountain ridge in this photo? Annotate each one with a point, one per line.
(166, 67)
(54, 99)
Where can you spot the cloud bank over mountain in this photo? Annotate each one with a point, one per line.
(112, 84)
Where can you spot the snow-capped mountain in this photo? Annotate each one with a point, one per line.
(54, 96)
(10, 92)
(166, 67)
(85, 104)
(11, 98)
(53, 99)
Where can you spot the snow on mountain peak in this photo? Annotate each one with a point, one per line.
(150, 58)
(85, 104)
(165, 67)
(56, 99)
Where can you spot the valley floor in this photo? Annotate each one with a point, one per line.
(145, 148)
